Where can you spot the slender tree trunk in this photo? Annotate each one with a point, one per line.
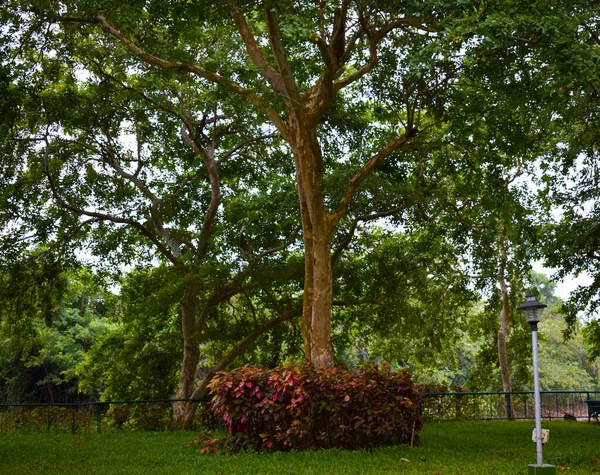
(183, 413)
(502, 355)
(306, 322)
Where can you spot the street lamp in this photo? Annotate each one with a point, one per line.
(532, 311)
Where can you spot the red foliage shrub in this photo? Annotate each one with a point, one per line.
(296, 406)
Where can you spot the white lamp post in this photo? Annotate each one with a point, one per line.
(532, 310)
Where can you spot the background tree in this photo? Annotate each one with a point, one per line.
(183, 132)
(51, 316)
(570, 168)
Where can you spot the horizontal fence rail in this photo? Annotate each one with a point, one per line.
(156, 414)
(502, 405)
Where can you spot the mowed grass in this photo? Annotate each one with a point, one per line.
(469, 447)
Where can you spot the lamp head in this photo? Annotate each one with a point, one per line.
(532, 309)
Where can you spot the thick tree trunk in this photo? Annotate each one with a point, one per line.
(321, 353)
(316, 223)
(306, 322)
(502, 356)
(183, 413)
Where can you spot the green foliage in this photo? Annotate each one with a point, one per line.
(93, 158)
(139, 357)
(415, 314)
(298, 407)
(56, 419)
(484, 374)
(137, 417)
(41, 347)
(563, 363)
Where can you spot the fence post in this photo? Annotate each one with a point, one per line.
(98, 412)
(73, 420)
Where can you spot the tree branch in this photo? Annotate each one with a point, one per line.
(253, 48)
(282, 246)
(287, 76)
(215, 185)
(363, 173)
(227, 155)
(104, 216)
(373, 37)
(182, 67)
(365, 301)
(369, 217)
(241, 346)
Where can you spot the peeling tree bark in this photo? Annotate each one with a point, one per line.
(318, 295)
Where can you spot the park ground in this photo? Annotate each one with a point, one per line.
(466, 447)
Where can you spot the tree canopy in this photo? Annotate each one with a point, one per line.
(364, 167)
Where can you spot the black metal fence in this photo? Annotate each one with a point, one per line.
(94, 416)
(501, 405)
(157, 414)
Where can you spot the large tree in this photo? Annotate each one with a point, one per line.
(308, 69)
(158, 121)
(122, 161)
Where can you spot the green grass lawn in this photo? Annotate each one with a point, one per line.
(447, 448)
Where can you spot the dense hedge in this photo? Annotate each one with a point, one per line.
(296, 406)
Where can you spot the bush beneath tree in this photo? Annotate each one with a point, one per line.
(298, 407)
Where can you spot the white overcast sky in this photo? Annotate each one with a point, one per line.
(565, 286)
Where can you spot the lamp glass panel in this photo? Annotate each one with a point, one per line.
(531, 315)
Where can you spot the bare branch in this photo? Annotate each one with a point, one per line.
(273, 250)
(227, 155)
(169, 108)
(373, 37)
(523, 40)
(253, 48)
(592, 33)
(365, 301)
(291, 89)
(338, 37)
(215, 184)
(241, 346)
(109, 157)
(273, 300)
